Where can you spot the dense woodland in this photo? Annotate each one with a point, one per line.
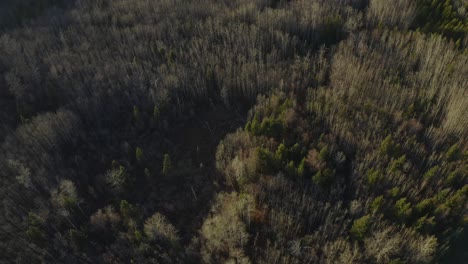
(233, 131)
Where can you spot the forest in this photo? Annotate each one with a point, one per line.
(234, 131)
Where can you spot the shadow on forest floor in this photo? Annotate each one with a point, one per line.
(186, 197)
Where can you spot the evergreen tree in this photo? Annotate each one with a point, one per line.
(167, 164)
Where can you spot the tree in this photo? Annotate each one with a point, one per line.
(323, 177)
(35, 230)
(156, 112)
(453, 153)
(280, 155)
(377, 204)
(301, 168)
(431, 173)
(127, 210)
(425, 206)
(140, 157)
(65, 198)
(324, 153)
(147, 173)
(157, 227)
(360, 228)
(117, 178)
(373, 176)
(78, 239)
(136, 113)
(224, 231)
(167, 164)
(403, 209)
(388, 147)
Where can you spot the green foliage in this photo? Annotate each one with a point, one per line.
(324, 153)
(425, 224)
(424, 207)
(283, 158)
(441, 16)
(287, 104)
(70, 202)
(396, 261)
(281, 153)
(388, 147)
(296, 153)
(140, 157)
(398, 164)
(301, 168)
(403, 209)
(138, 236)
(394, 192)
(271, 122)
(456, 177)
(291, 169)
(360, 228)
(418, 108)
(167, 164)
(271, 128)
(254, 126)
(127, 210)
(453, 153)
(373, 177)
(377, 204)
(117, 178)
(441, 196)
(248, 126)
(457, 202)
(431, 173)
(323, 177)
